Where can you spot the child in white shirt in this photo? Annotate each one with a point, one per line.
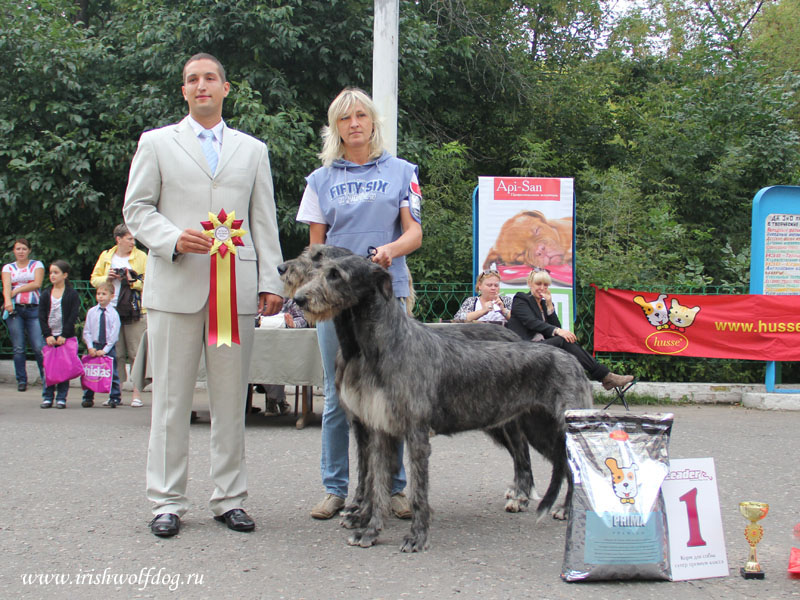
(101, 340)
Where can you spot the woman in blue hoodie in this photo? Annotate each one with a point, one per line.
(361, 196)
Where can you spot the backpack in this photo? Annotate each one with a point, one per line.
(129, 303)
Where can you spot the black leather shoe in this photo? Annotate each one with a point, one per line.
(165, 525)
(237, 520)
(21, 387)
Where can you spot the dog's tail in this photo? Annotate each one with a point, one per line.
(557, 477)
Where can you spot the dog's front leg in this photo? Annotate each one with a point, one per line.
(354, 515)
(419, 451)
(382, 455)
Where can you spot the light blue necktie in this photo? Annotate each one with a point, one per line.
(208, 149)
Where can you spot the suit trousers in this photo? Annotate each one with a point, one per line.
(175, 343)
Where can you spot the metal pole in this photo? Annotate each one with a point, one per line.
(384, 67)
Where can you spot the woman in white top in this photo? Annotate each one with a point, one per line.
(22, 280)
(489, 306)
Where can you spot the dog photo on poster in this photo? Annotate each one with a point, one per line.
(525, 223)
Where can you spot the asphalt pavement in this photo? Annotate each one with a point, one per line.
(75, 518)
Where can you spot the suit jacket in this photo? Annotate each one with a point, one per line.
(171, 188)
(527, 319)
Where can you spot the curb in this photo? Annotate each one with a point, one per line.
(748, 395)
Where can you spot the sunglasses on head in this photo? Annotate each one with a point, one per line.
(540, 269)
(491, 272)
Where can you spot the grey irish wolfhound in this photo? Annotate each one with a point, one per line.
(400, 380)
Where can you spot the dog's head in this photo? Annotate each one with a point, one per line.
(333, 285)
(296, 272)
(623, 480)
(655, 311)
(529, 238)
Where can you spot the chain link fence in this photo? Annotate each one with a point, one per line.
(440, 301)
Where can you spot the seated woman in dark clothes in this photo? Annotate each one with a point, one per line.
(533, 317)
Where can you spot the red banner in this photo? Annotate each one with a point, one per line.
(744, 326)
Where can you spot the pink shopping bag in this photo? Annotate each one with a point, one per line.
(61, 363)
(97, 373)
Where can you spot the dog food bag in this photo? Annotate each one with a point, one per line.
(617, 525)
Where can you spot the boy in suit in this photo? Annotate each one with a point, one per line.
(100, 333)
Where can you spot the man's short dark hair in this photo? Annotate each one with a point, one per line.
(206, 56)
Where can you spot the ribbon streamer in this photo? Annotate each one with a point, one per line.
(224, 229)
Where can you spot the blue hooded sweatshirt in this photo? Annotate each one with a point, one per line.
(361, 205)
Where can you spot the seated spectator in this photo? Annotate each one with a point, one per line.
(533, 317)
(489, 306)
(290, 316)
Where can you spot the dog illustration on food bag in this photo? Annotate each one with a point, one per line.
(623, 481)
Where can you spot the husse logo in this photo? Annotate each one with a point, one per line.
(96, 372)
(666, 342)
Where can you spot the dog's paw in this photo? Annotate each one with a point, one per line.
(560, 514)
(363, 538)
(414, 543)
(515, 505)
(351, 508)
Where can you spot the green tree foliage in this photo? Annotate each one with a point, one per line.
(48, 121)
(670, 116)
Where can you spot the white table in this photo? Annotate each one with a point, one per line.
(287, 357)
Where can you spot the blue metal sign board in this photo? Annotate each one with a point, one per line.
(775, 250)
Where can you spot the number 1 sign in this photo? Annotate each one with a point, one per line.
(696, 542)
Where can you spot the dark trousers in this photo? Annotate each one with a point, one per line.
(595, 369)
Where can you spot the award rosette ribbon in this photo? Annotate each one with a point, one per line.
(223, 315)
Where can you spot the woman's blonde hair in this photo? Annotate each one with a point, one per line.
(332, 146)
(483, 276)
(539, 276)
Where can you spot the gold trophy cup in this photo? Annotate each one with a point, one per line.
(753, 512)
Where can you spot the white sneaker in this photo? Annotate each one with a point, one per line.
(136, 402)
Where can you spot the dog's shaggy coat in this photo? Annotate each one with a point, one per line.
(400, 380)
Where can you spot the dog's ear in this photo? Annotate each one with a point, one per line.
(492, 257)
(336, 272)
(611, 463)
(536, 213)
(383, 281)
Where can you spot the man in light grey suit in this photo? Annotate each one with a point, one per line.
(179, 174)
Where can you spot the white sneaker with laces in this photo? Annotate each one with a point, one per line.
(136, 402)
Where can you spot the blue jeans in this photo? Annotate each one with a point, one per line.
(60, 390)
(115, 395)
(24, 322)
(335, 462)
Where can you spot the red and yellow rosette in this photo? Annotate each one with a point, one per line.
(223, 315)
